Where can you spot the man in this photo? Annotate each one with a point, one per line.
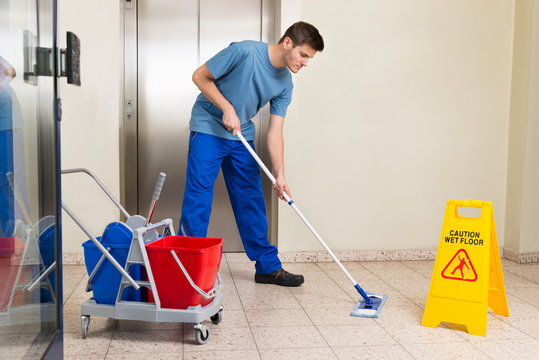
(234, 85)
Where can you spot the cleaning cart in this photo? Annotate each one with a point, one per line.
(175, 270)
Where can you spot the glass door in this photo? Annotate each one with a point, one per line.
(30, 274)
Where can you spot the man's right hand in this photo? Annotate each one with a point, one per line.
(231, 121)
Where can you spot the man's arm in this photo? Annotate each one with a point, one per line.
(276, 152)
(204, 80)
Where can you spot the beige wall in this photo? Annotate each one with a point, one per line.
(90, 121)
(522, 232)
(407, 106)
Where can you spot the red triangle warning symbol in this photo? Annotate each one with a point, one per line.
(460, 268)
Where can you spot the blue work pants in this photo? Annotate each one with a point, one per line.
(207, 154)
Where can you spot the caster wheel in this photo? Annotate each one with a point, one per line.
(202, 335)
(217, 318)
(84, 324)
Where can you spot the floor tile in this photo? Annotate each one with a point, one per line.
(221, 339)
(527, 271)
(298, 354)
(277, 318)
(413, 333)
(369, 352)
(515, 281)
(529, 294)
(519, 309)
(336, 316)
(168, 341)
(445, 351)
(404, 312)
(339, 300)
(286, 338)
(355, 335)
(529, 327)
(146, 356)
(496, 330)
(231, 300)
(84, 357)
(222, 355)
(263, 301)
(424, 267)
(510, 349)
(311, 321)
(97, 343)
(233, 318)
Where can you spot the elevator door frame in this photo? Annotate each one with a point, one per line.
(129, 153)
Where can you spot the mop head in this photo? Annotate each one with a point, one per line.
(364, 309)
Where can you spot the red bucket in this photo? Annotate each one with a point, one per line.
(201, 258)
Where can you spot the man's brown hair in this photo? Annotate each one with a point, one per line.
(304, 33)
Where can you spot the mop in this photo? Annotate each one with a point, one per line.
(370, 304)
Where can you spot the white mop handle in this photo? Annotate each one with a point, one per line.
(261, 164)
(291, 203)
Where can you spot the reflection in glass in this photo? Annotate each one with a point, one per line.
(28, 306)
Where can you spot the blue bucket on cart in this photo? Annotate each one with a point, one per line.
(106, 281)
(47, 248)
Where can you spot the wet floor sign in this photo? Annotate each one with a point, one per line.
(467, 278)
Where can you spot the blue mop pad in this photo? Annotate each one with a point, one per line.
(369, 309)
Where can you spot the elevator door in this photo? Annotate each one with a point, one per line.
(173, 39)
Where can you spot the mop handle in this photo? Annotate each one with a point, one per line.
(291, 203)
(155, 196)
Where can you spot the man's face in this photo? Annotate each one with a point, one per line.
(298, 56)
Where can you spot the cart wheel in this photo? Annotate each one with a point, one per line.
(202, 335)
(217, 318)
(84, 324)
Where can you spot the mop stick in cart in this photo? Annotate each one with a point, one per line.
(155, 196)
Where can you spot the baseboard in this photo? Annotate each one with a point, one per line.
(358, 255)
(521, 258)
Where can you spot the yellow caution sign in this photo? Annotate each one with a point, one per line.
(467, 278)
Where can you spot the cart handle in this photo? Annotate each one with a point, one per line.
(209, 295)
(89, 283)
(101, 185)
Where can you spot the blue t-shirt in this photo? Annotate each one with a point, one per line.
(245, 76)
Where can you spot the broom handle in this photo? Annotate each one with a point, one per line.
(291, 203)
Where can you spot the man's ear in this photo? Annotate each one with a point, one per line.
(287, 43)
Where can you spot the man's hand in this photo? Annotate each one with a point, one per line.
(280, 187)
(231, 121)
(204, 80)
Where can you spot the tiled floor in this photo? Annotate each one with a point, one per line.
(312, 321)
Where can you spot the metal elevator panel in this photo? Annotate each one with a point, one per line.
(173, 39)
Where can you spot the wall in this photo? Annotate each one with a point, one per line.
(407, 107)
(522, 232)
(90, 121)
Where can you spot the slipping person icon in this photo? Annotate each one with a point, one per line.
(460, 267)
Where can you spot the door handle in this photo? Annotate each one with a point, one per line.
(71, 59)
(39, 61)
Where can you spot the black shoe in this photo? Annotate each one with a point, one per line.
(280, 277)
